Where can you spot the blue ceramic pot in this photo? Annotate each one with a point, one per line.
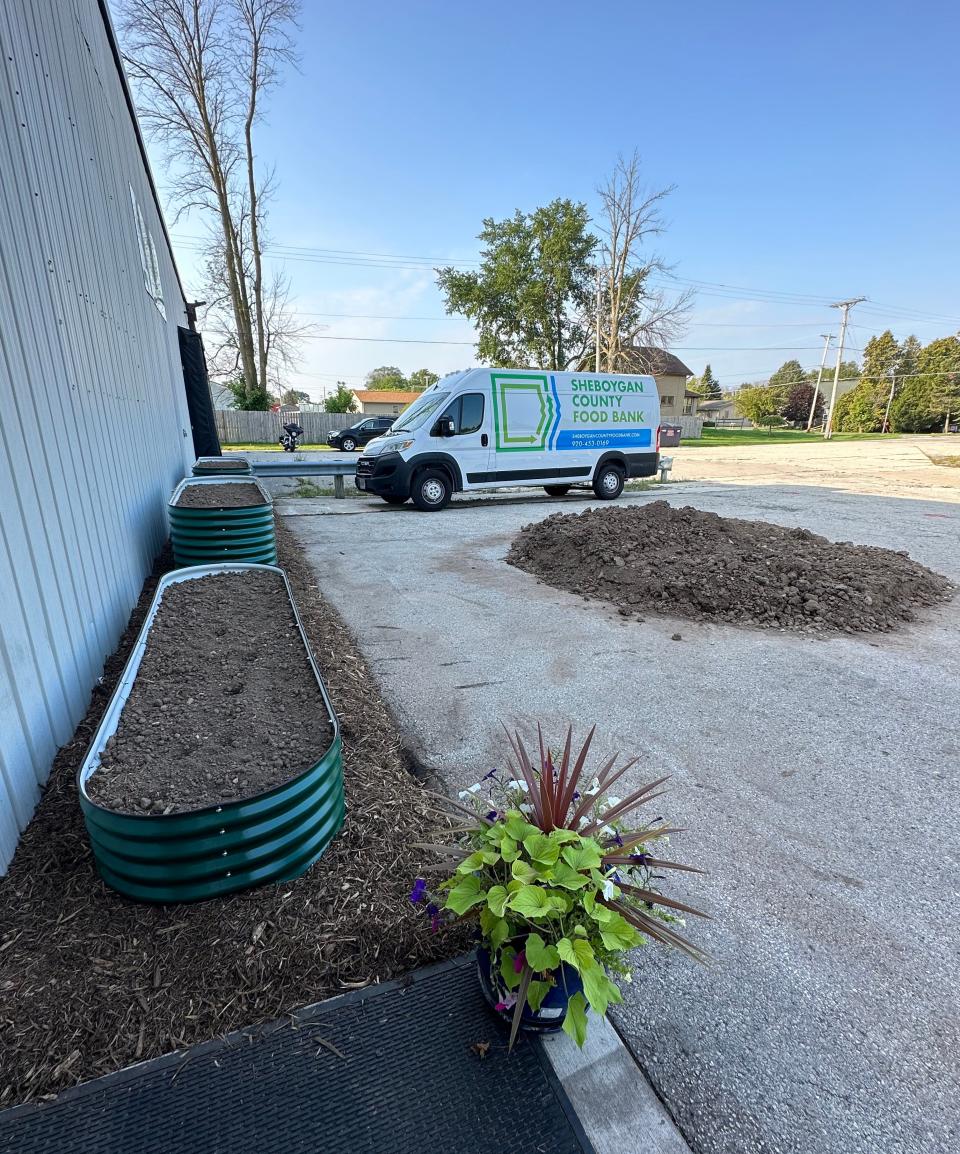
(553, 1009)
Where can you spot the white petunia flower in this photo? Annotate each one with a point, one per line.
(608, 889)
(613, 801)
(464, 795)
(525, 808)
(475, 788)
(515, 783)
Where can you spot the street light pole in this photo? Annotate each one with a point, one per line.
(827, 338)
(845, 307)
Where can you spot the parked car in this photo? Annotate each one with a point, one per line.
(484, 428)
(359, 433)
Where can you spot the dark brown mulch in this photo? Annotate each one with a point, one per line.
(90, 982)
(224, 705)
(687, 563)
(232, 496)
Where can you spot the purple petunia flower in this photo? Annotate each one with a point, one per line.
(576, 795)
(434, 913)
(519, 962)
(419, 889)
(492, 773)
(492, 815)
(617, 838)
(640, 858)
(508, 1003)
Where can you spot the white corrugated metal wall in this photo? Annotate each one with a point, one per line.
(93, 416)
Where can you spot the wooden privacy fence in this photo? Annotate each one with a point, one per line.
(236, 427)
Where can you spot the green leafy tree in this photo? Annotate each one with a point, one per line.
(913, 409)
(881, 357)
(782, 381)
(532, 296)
(939, 365)
(386, 377)
(293, 397)
(251, 399)
(341, 401)
(860, 410)
(760, 404)
(908, 362)
(422, 379)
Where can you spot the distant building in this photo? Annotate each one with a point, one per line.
(671, 375)
(383, 402)
(719, 409)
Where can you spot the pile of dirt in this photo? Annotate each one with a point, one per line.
(225, 704)
(687, 563)
(90, 981)
(231, 496)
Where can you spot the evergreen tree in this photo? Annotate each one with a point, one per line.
(708, 385)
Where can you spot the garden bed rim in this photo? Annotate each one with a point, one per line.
(248, 479)
(111, 717)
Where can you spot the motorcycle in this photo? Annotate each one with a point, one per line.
(290, 437)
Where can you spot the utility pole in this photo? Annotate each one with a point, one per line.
(845, 307)
(885, 427)
(598, 322)
(827, 338)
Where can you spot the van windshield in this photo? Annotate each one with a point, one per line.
(418, 412)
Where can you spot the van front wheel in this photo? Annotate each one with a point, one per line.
(556, 490)
(432, 490)
(608, 482)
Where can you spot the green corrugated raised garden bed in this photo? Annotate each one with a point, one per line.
(221, 467)
(217, 765)
(221, 519)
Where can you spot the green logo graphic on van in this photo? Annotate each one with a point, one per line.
(523, 412)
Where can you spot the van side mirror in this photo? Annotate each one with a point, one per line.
(444, 427)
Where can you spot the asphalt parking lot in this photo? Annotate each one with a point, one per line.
(817, 780)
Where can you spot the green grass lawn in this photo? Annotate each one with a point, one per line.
(714, 437)
(271, 447)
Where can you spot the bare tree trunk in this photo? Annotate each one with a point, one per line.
(252, 193)
(200, 67)
(636, 311)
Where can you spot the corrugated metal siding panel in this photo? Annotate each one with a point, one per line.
(93, 417)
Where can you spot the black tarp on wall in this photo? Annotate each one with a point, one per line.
(206, 443)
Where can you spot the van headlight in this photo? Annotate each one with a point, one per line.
(398, 446)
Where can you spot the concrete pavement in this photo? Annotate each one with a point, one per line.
(817, 779)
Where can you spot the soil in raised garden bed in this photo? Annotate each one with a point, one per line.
(224, 706)
(232, 496)
(688, 563)
(223, 463)
(90, 981)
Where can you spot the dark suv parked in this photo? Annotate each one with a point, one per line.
(358, 434)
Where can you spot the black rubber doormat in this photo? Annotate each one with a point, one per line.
(390, 1069)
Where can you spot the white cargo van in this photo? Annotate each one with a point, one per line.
(486, 428)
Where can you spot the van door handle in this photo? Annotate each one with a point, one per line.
(484, 440)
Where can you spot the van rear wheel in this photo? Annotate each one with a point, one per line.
(432, 490)
(608, 482)
(556, 490)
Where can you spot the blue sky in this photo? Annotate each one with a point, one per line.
(814, 148)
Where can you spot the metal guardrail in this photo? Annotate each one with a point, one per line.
(336, 469)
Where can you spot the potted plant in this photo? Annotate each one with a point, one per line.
(560, 885)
